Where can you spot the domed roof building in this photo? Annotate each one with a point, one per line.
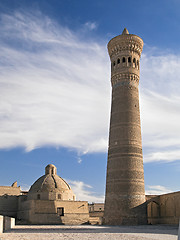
(51, 200)
(51, 186)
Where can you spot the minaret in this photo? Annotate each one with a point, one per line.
(125, 192)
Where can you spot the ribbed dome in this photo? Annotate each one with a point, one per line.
(51, 183)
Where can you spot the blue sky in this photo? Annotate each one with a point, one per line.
(55, 90)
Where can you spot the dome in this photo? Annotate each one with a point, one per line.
(50, 186)
(50, 169)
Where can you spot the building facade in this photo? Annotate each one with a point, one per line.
(50, 200)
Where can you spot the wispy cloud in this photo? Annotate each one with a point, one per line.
(79, 160)
(55, 90)
(166, 156)
(24, 187)
(157, 190)
(84, 192)
(160, 106)
(91, 25)
(54, 86)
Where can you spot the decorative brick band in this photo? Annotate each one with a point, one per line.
(126, 43)
(125, 80)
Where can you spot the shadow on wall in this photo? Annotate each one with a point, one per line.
(9, 205)
(164, 209)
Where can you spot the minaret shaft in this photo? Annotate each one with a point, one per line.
(125, 193)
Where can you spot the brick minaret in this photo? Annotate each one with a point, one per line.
(125, 193)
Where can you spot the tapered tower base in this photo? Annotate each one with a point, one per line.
(133, 216)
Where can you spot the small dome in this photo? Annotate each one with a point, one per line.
(50, 169)
(51, 184)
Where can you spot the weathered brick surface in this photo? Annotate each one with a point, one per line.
(164, 209)
(125, 193)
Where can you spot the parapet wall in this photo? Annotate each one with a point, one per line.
(164, 209)
(9, 190)
(9, 200)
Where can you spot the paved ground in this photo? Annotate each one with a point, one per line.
(86, 232)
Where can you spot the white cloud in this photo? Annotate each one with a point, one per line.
(91, 25)
(79, 160)
(166, 156)
(160, 106)
(83, 193)
(54, 86)
(157, 190)
(55, 90)
(24, 187)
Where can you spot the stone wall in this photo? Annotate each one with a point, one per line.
(66, 195)
(53, 212)
(75, 212)
(96, 210)
(96, 207)
(24, 208)
(9, 200)
(164, 209)
(9, 205)
(7, 190)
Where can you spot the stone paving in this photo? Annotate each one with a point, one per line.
(86, 232)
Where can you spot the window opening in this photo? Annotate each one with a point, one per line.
(60, 211)
(134, 61)
(5, 196)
